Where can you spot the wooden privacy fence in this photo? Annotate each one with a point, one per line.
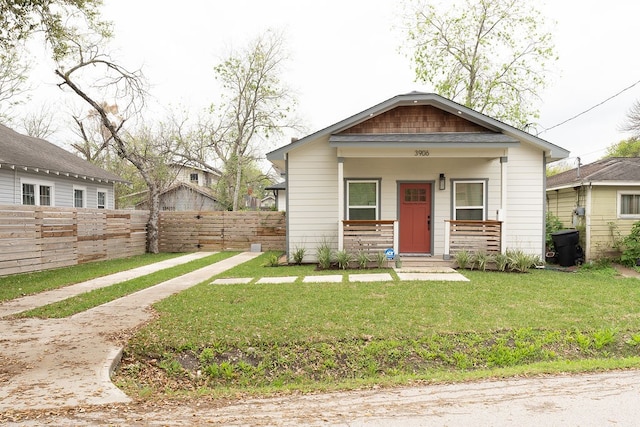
(473, 236)
(34, 238)
(221, 230)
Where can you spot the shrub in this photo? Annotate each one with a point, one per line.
(343, 258)
(521, 261)
(363, 259)
(298, 255)
(631, 246)
(553, 224)
(502, 261)
(463, 259)
(381, 258)
(481, 259)
(273, 260)
(324, 254)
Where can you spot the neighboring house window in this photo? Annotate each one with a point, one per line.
(102, 199)
(79, 197)
(28, 194)
(628, 204)
(362, 199)
(469, 200)
(193, 177)
(37, 193)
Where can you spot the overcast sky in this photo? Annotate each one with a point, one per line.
(344, 58)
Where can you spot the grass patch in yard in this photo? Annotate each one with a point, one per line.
(254, 338)
(19, 285)
(96, 297)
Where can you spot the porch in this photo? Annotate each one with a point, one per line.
(374, 236)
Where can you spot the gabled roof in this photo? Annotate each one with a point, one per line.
(31, 154)
(504, 133)
(609, 170)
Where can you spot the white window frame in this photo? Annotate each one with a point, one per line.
(36, 188)
(454, 213)
(84, 196)
(619, 204)
(106, 198)
(197, 175)
(362, 181)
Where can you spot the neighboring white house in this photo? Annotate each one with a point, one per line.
(419, 173)
(280, 194)
(36, 172)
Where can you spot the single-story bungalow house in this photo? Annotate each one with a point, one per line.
(36, 172)
(601, 199)
(419, 174)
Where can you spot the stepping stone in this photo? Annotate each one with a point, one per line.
(370, 277)
(445, 277)
(232, 281)
(290, 279)
(336, 278)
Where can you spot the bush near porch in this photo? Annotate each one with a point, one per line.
(224, 340)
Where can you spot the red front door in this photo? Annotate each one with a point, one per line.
(415, 217)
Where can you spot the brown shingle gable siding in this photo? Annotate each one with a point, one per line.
(415, 119)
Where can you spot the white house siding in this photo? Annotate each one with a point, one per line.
(313, 196)
(6, 186)
(391, 171)
(11, 188)
(525, 200)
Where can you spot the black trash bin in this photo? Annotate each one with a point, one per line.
(565, 243)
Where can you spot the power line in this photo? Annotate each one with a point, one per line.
(589, 109)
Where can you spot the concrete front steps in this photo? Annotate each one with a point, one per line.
(414, 262)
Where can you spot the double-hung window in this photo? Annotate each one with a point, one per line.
(79, 194)
(469, 200)
(628, 204)
(37, 193)
(363, 199)
(102, 199)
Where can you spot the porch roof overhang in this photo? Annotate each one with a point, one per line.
(425, 140)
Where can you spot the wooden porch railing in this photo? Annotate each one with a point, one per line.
(473, 236)
(370, 236)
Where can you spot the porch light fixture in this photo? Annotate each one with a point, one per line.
(442, 182)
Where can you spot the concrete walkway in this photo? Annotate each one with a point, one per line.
(51, 363)
(443, 274)
(30, 302)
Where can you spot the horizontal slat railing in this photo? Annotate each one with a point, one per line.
(369, 236)
(475, 236)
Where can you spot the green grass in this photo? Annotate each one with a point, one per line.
(100, 296)
(19, 285)
(265, 338)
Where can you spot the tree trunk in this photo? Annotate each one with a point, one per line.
(152, 224)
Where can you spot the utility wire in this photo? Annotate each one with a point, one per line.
(595, 106)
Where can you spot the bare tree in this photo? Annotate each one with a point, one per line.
(13, 82)
(632, 123)
(88, 69)
(40, 124)
(255, 105)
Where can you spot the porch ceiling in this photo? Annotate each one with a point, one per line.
(425, 140)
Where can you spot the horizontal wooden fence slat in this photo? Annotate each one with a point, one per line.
(221, 230)
(34, 238)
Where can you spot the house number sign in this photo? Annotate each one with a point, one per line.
(421, 153)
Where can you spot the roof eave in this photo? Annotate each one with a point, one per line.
(45, 171)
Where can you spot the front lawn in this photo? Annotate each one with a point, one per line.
(227, 339)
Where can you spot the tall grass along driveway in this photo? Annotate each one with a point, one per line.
(263, 338)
